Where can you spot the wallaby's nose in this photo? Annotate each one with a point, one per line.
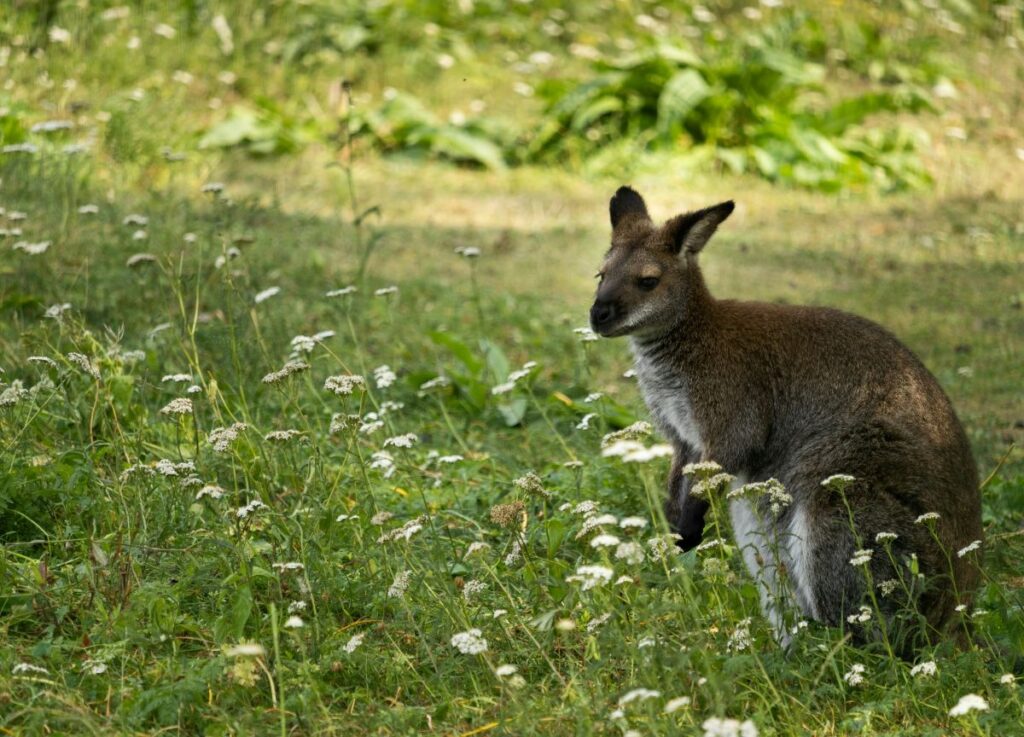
(602, 313)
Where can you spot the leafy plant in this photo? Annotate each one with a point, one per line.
(262, 131)
(756, 109)
(402, 122)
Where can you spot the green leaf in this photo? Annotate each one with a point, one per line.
(685, 91)
(230, 626)
(458, 349)
(460, 145)
(497, 362)
(513, 411)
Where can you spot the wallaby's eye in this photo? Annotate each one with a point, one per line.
(647, 283)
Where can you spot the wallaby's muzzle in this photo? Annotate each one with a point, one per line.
(603, 315)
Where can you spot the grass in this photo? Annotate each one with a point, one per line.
(128, 597)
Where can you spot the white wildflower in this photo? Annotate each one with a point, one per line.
(584, 424)
(288, 566)
(594, 624)
(968, 549)
(383, 461)
(222, 437)
(88, 210)
(385, 291)
(864, 615)
(674, 705)
(631, 552)
(399, 585)
(515, 554)
(701, 468)
(55, 312)
(926, 517)
(838, 482)
(586, 334)
(344, 384)
(861, 557)
(178, 378)
(384, 376)
(85, 364)
(1007, 679)
(591, 576)
(504, 671)
(281, 436)
(245, 650)
(927, 669)
(165, 31)
(354, 642)
(250, 508)
(638, 694)
(716, 727)
(740, 638)
(401, 441)
(966, 704)
(855, 676)
(405, 532)
(341, 292)
(469, 642)
(476, 547)
(136, 219)
(29, 668)
(179, 406)
(211, 490)
(633, 523)
(60, 35)
(32, 249)
(380, 518)
(438, 382)
(294, 622)
(266, 294)
(604, 541)
(885, 537)
(472, 588)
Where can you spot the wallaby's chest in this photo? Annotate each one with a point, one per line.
(667, 396)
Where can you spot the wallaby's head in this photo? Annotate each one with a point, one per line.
(649, 271)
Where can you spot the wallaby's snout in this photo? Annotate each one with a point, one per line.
(603, 314)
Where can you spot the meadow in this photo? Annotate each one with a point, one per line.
(302, 429)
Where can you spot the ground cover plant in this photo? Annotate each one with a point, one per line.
(302, 432)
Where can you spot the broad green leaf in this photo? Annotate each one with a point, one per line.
(461, 145)
(458, 349)
(685, 91)
(497, 362)
(513, 411)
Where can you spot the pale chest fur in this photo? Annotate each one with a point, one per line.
(668, 398)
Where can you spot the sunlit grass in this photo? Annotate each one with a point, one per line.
(209, 525)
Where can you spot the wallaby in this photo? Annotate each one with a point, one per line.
(797, 394)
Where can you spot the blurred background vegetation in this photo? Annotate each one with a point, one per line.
(841, 96)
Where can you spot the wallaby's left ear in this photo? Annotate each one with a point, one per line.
(692, 231)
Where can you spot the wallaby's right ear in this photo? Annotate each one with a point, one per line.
(691, 232)
(626, 202)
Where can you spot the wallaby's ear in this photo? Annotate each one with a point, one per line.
(626, 202)
(692, 231)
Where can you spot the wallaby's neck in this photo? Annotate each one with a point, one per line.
(691, 329)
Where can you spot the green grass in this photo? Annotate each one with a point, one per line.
(130, 592)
